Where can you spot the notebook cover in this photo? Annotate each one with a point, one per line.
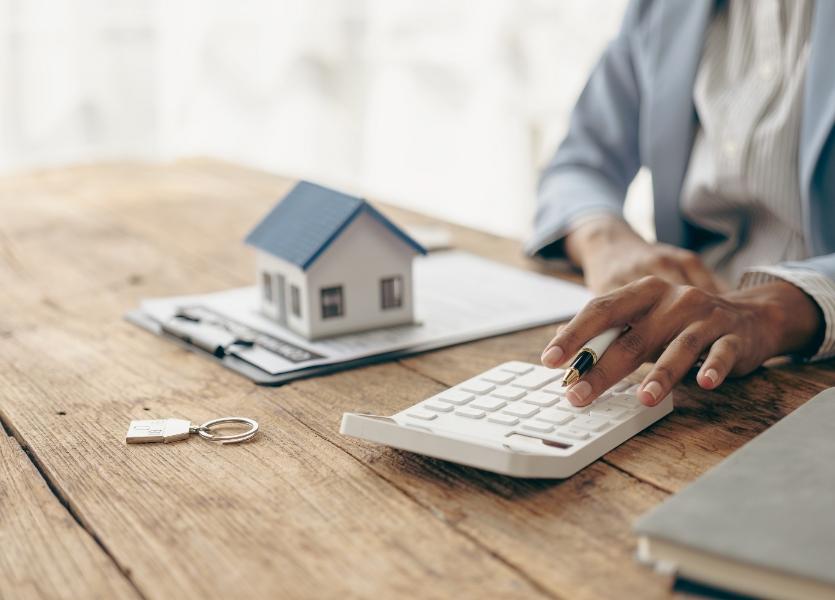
(770, 504)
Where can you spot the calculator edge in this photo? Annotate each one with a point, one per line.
(494, 458)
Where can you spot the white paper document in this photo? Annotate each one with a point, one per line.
(459, 297)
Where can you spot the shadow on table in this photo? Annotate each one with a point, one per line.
(460, 478)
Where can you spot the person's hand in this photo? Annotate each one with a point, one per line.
(611, 254)
(674, 325)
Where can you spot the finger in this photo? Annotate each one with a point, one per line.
(672, 274)
(625, 355)
(674, 363)
(617, 308)
(719, 362)
(667, 269)
(697, 273)
(553, 356)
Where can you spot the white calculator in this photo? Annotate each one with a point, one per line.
(515, 420)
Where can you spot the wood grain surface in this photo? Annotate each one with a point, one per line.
(301, 511)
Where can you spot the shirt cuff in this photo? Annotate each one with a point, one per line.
(817, 286)
(544, 243)
(553, 251)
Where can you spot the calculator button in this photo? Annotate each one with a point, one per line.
(437, 406)
(508, 393)
(590, 423)
(625, 400)
(565, 405)
(620, 387)
(607, 411)
(573, 433)
(455, 397)
(488, 403)
(555, 388)
(498, 376)
(470, 413)
(503, 419)
(541, 399)
(539, 427)
(477, 386)
(517, 367)
(557, 417)
(423, 415)
(536, 379)
(520, 409)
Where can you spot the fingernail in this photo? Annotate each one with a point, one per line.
(653, 388)
(551, 357)
(713, 375)
(578, 393)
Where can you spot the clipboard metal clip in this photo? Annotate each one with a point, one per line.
(212, 335)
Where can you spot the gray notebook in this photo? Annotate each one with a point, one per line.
(763, 520)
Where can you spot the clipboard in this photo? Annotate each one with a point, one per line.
(219, 353)
(460, 297)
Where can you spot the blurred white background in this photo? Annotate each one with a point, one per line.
(446, 106)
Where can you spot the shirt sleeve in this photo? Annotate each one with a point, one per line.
(817, 286)
(600, 154)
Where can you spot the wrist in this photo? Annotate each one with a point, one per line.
(794, 319)
(598, 235)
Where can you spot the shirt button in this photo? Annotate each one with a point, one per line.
(729, 147)
(767, 70)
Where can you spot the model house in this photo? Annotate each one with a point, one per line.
(329, 263)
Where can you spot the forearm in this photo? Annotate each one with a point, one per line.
(599, 232)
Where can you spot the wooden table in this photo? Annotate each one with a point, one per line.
(301, 511)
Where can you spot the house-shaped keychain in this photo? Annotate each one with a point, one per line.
(329, 263)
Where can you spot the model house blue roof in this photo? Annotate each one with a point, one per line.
(302, 226)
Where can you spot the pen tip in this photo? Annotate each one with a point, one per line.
(570, 377)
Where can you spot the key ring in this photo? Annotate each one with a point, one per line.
(205, 432)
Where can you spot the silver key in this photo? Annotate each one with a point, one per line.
(157, 430)
(148, 431)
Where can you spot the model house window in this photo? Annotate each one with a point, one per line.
(295, 300)
(267, 284)
(391, 292)
(332, 303)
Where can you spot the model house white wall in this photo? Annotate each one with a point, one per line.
(357, 261)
